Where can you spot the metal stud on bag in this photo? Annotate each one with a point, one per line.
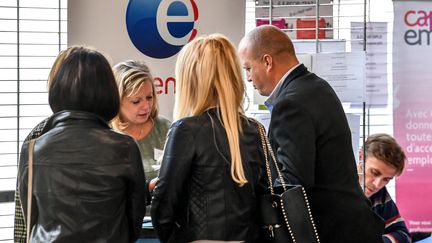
(271, 227)
(287, 223)
(310, 214)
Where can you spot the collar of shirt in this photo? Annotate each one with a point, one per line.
(272, 97)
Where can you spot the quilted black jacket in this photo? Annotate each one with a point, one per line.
(196, 197)
(88, 182)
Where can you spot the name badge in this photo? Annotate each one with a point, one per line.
(158, 153)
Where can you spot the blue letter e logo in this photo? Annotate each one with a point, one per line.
(160, 28)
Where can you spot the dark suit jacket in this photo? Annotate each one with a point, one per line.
(310, 134)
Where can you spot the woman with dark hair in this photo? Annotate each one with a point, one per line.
(87, 178)
(19, 223)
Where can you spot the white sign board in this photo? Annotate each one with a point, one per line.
(118, 28)
(376, 59)
(298, 17)
(344, 72)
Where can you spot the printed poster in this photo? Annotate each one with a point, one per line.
(412, 114)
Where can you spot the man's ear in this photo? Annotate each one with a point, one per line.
(361, 155)
(268, 61)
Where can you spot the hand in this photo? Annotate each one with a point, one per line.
(152, 184)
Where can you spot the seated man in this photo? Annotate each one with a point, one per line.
(384, 160)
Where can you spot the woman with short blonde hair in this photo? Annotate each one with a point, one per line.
(139, 111)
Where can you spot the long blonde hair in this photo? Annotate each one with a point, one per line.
(208, 74)
(130, 76)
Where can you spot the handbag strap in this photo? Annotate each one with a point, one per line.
(30, 186)
(268, 150)
(264, 147)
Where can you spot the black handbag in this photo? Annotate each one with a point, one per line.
(285, 212)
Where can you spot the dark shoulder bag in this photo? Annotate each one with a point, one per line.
(287, 216)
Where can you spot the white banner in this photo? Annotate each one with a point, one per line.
(152, 31)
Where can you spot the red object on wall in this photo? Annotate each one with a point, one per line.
(310, 24)
(280, 23)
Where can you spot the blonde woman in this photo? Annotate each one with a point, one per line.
(213, 162)
(138, 116)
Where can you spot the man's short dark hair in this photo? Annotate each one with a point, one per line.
(384, 147)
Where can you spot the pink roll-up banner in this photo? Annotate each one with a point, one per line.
(412, 114)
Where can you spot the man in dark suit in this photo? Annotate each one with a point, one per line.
(310, 136)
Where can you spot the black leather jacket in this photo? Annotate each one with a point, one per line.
(196, 197)
(88, 182)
